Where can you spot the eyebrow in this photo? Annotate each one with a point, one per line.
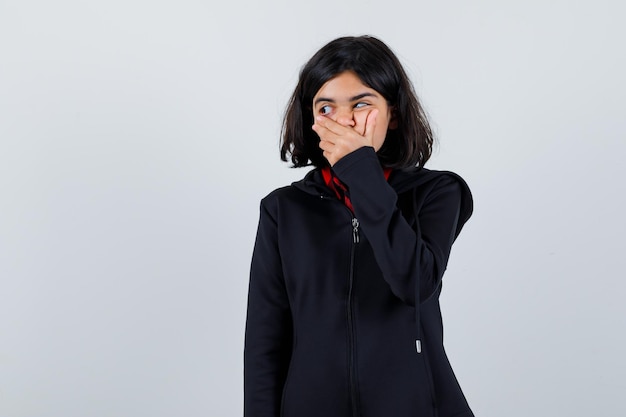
(355, 98)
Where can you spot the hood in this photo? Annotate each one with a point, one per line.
(404, 180)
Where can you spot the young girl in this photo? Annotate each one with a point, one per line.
(343, 305)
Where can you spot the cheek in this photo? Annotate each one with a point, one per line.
(359, 119)
(380, 134)
(378, 143)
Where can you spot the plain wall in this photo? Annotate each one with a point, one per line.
(137, 138)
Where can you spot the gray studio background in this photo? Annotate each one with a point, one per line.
(137, 138)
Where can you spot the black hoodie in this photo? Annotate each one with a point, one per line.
(331, 326)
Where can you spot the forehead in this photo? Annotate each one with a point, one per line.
(344, 86)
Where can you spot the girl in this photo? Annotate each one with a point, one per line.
(343, 304)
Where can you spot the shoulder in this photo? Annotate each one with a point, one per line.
(312, 185)
(297, 193)
(274, 199)
(269, 205)
(277, 194)
(451, 182)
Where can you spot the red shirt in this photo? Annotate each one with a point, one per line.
(340, 190)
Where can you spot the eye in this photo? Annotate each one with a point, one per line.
(325, 110)
(360, 105)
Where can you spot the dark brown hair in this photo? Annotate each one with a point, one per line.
(408, 145)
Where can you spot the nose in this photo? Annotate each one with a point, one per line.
(345, 117)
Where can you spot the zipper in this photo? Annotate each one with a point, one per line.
(355, 230)
(350, 316)
(356, 238)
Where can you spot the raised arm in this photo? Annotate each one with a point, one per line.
(403, 253)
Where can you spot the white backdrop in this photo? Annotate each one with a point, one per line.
(137, 138)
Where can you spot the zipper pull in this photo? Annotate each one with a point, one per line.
(355, 230)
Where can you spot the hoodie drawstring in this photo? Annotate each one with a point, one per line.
(418, 340)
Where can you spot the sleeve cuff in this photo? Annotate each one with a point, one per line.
(353, 166)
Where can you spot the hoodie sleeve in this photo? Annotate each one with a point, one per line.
(268, 325)
(403, 253)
